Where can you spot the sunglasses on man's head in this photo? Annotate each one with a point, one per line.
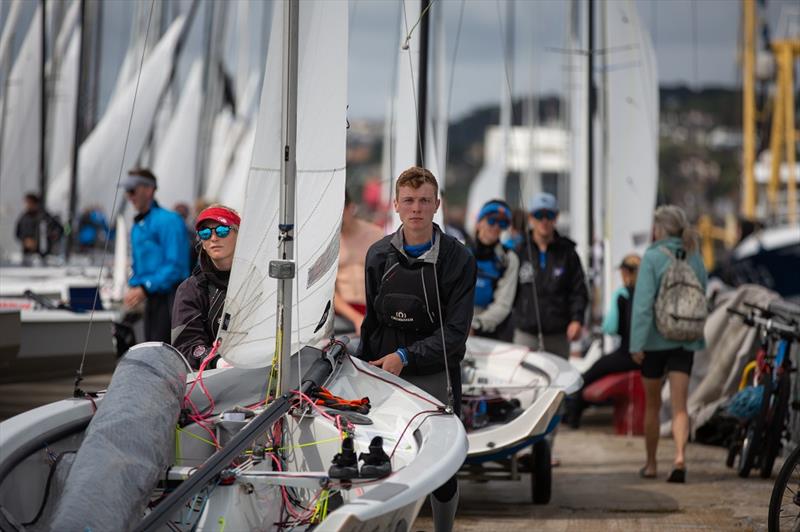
(221, 230)
(496, 220)
(545, 214)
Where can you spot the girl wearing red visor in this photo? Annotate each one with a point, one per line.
(198, 303)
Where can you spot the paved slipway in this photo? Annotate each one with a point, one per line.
(597, 488)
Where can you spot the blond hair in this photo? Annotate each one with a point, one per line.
(671, 220)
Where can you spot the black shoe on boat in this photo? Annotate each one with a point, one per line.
(376, 462)
(345, 463)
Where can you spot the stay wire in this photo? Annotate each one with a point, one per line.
(450, 408)
(79, 376)
(521, 200)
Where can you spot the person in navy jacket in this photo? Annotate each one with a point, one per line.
(160, 260)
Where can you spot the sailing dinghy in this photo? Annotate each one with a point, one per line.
(218, 449)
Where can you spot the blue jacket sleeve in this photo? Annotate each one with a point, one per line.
(643, 299)
(175, 265)
(611, 319)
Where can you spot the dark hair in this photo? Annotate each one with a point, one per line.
(415, 177)
(347, 199)
(33, 198)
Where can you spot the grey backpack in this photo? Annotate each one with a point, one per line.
(681, 308)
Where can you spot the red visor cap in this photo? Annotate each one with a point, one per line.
(218, 214)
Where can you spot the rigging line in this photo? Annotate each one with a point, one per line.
(414, 94)
(411, 31)
(453, 74)
(521, 203)
(79, 376)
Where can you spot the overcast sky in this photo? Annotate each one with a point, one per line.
(695, 40)
(697, 54)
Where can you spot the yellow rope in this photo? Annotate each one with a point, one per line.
(299, 446)
(177, 444)
(195, 436)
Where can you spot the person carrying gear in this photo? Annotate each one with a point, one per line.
(199, 300)
(420, 285)
(674, 239)
(498, 267)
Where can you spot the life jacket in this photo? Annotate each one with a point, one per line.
(490, 270)
(407, 296)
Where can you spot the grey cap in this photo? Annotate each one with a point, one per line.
(132, 181)
(543, 201)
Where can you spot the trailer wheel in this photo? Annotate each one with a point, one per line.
(541, 473)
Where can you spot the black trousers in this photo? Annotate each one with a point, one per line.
(157, 317)
(617, 362)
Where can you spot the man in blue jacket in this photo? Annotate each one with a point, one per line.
(160, 261)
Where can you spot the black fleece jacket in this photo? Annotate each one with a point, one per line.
(197, 311)
(560, 287)
(456, 271)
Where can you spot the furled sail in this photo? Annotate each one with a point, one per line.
(631, 121)
(176, 157)
(248, 330)
(20, 126)
(101, 154)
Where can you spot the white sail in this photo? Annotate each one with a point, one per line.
(20, 146)
(101, 154)
(248, 332)
(65, 93)
(176, 157)
(6, 37)
(233, 193)
(404, 151)
(631, 116)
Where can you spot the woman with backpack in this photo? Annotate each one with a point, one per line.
(669, 311)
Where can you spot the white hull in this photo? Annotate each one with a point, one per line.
(538, 380)
(430, 451)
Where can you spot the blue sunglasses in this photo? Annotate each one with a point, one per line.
(494, 220)
(221, 230)
(545, 214)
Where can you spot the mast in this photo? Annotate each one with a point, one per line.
(80, 130)
(422, 86)
(283, 269)
(592, 107)
(43, 110)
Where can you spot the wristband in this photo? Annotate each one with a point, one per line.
(403, 355)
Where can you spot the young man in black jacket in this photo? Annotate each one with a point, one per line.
(420, 286)
(549, 260)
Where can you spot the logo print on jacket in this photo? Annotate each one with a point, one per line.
(401, 316)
